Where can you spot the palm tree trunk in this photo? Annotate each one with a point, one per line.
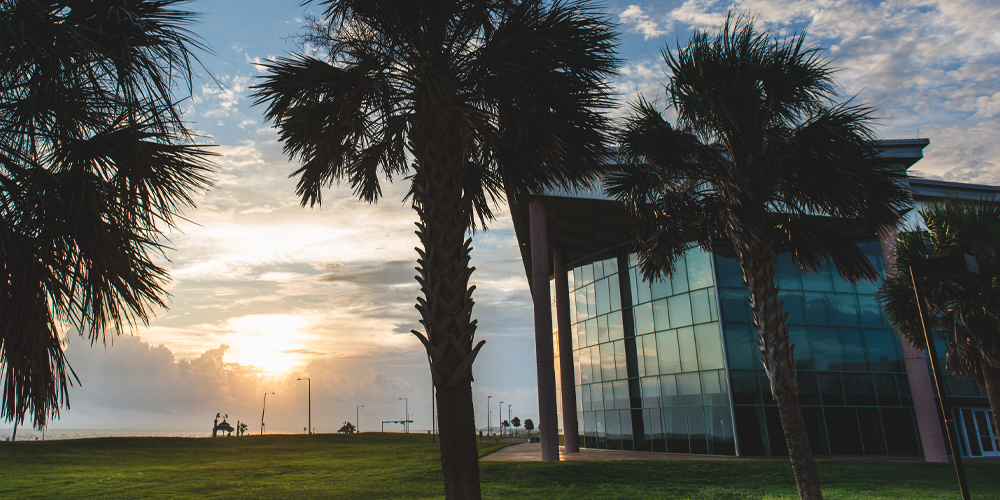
(439, 197)
(757, 263)
(991, 377)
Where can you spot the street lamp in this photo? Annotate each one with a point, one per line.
(357, 418)
(309, 380)
(406, 428)
(488, 414)
(500, 409)
(951, 266)
(509, 421)
(264, 407)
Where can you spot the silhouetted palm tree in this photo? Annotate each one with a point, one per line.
(761, 159)
(94, 162)
(969, 307)
(483, 97)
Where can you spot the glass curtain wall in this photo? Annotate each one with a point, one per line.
(651, 371)
(854, 393)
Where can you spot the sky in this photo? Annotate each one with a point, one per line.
(265, 292)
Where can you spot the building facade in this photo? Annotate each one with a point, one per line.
(673, 366)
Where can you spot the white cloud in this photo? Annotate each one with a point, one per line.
(641, 22)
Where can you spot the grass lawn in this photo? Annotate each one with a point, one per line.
(406, 466)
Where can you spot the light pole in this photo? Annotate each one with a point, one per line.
(264, 407)
(309, 380)
(357, 418)
(488, 413)
(509, 422)
(406, 427)
(500, 409)
(951, 266)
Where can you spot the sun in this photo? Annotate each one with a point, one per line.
(271, 342)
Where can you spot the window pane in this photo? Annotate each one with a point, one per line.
(740, 346)
(649, 353)
(585, 370)
(631, 283)
(830, 388)
(585, 397)
(696, 421)
(660, 288)
(799, 335)
(602, 329)
(709, 346)
(882, 350)
(819, 281)
(603, 297)
(642, 314)
(650, 392)
(610, 266)
(609, 396)
(711, 390)
(733, 304)
(577, 277)
(614, 427)
(855, 349)
(581, 305)
(678, 280)
(680, 311)
(689, 389)
(597, 396)
(608, 372)
(792, 306)
(620, 359)
(598, 270)
(816, 309)
(808, 388)
(595, 363)
(661, 320)
(829, 348)
(616, 292)
(726, 269)
(668, 390)
(667, 352)
(588, 273)
(712, 308)
(699, 268)
(591, 326)
(744, 386)
(687, 349)
(699, 306)
(843, 309)
(621, 394)
(592, 299)
(787, 274)
(642, 288)
(871, 314)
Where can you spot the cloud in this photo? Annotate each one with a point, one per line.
(640, 22)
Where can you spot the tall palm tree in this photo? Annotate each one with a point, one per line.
(471, 99)
(761, 159)
(968, 308)
(94, 162)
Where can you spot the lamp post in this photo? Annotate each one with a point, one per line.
(357, 418)
(510, 431)
(406, 428)
(952, 266)
(489, 412)
(309, 380)
(500, 409)
(264, 407)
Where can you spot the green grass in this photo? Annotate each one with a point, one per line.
(406, 466)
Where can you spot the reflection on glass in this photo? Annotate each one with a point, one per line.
(661, 319)
(616, 327)
(621, 394)
(699, 268)
(680, 310)
(855, 349)
(602, 329)
(591, 326)
(641, 287)
(620, 359)
(843, 309)
(667, 352)
(668, 390)
(616, 292)
(585, 368)
(650, 392)
(649, 354)
(688, 352)
(642, 315)
(603, 293)
(828, 347)
(803, 354)
(711, 389)
(689, 389)
(678, 280)
(709, 343)
(816, 310)
(882, 350)
(588, 273)
(700, 308)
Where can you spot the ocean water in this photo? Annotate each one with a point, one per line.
(29, 434)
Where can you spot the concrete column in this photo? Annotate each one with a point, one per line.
(919, 376)
(571, 430)
(548, 424)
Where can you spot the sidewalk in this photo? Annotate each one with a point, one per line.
(532, 452)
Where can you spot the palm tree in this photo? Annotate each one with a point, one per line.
(94, 163)
(761, 159)
(472, 100)
(968, 308)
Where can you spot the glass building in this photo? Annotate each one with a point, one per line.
(673, 365)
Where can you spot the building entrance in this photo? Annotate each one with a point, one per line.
(980, 434)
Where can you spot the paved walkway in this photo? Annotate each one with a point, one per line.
(531, 452)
